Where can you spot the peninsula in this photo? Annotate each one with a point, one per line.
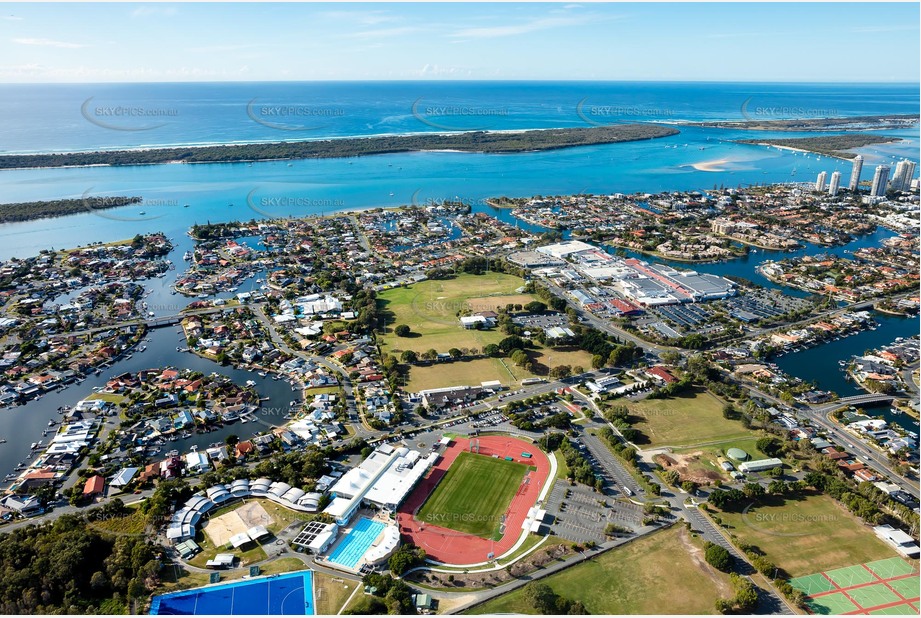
(473, 141)
(830, 145)
(853, 123)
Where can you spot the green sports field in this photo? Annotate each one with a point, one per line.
(474, 495)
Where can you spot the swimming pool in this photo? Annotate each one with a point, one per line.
(290, 594)
(356, 543)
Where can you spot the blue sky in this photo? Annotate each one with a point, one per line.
(383, 41)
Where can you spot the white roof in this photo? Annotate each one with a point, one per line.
(239, 539)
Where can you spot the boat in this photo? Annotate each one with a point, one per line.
(193, 448)
(2, 440)
(187, 205)
(250, 383)
(51, 423)
(262, 374)
(34, 446)
(243, 420)
(142, 213)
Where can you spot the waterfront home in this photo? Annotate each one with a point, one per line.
(25, 506)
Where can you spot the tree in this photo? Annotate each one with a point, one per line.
(541, 597)
(231, 440)
(718, 557)
(561, 371)
(402, 330)
(455, 353)
(491, 349)
(409, 357)
(535, 306)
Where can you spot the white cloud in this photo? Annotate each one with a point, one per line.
(534, 25)
(49, 43)
(379, 33)
(154, 11)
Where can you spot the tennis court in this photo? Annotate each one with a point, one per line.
(812, 584)
(874, 596)
(906, 609)
(885, 587)
(277, 595)
(890, 567)
(353, 546)
(851, 576)
(831, 604)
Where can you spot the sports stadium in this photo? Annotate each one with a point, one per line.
(477, 500)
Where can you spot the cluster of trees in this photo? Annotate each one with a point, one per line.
(473, 141)
(718, 557)
(841, 490)
(580, 470)
(68, 567)
(391, 596)
(619, 416)
(745, 599)
(541, 597)
(405, 558)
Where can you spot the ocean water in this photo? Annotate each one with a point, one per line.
(42, 118)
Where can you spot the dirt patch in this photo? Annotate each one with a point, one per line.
(689, 467)
(697, 556)
(488, 579)
(220, 529)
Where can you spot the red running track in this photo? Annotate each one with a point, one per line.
(453, 547)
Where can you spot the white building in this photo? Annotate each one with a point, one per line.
(384, 480)
(760, 465)
(820, 181)
(900, 541)
(880, 181)
(835, 183)
(855, 173)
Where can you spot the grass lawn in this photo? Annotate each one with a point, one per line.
(634, 580)
(113, 398)
(804, 535)
(331, 593)
(323, 390)
(464, 373)
(282, 565)
(430, 309)
(686, 420)
(246, 555)
(473, 495)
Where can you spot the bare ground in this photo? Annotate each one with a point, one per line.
(689, 467)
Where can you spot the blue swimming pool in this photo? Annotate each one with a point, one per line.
(350, 549)
(277, 595)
